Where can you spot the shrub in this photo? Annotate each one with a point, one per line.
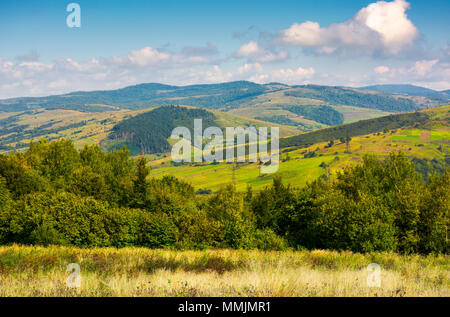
(122, 226)
(63, 217)
(157, 230)
(434, 215)
(227, 207)
(266, 239)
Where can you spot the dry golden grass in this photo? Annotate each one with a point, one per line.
(40, 271)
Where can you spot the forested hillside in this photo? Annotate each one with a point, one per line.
(149, 132)
(17, 129)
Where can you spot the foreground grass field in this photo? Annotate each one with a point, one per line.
(42, 271)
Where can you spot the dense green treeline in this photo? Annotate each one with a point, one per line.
(54, 194)
(374, 206)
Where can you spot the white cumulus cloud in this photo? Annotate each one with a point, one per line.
(380, 27)
(147, 56)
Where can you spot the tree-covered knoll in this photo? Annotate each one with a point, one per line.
(149, 132)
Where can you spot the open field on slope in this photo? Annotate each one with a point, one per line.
(80, 127)
(41, 271)
(352, 114)
(297, 172)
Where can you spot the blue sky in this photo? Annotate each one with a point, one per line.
(121, 43)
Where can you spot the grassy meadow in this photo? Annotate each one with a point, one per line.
(42, 271)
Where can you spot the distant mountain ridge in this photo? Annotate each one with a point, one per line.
(410, 90)
(227, 96)
(142, 96)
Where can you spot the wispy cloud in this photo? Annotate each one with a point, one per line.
(254, 53)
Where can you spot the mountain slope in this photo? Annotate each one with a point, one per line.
(354, 97)
(87, 117)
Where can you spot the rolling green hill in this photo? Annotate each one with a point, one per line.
(354, 97)
(92, 118)
(140, 130)
(321, 114)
